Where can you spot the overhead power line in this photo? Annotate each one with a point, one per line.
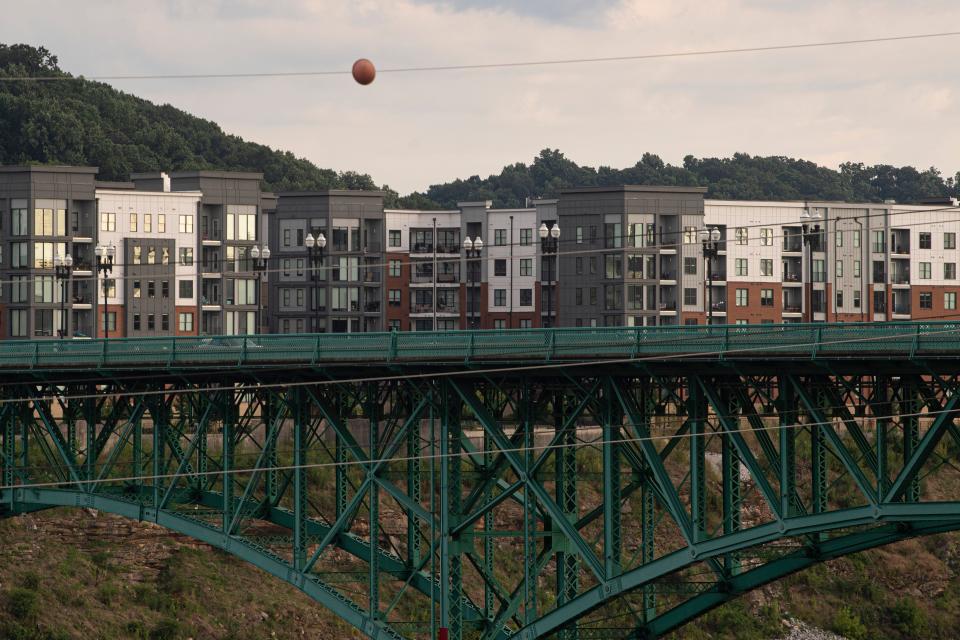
(491, 65)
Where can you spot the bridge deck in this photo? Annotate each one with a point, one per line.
(879, 341)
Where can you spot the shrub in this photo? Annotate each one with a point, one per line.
(908, 618)
(847, 623)
(23, 604)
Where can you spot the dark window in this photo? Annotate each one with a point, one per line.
(578, 297)
(136, 322)
(151, 289)
(879, 301)
(186, 288)
(499, 267)
(925, 240)
(690, 266)
(526, 297)
(926, 300)
(165, 289)
(689, 297)
(766, 297)
(151, 322)
(165, 322)
(394, 237)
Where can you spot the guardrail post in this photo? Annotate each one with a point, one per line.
(553, 345)
(36, 353)
(726, 341)
(916, 342)
(243, 352)
(392, 355)
(816, 342)
(316, 349)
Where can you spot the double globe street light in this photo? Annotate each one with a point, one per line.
(104, 256)
(550, 245)
(710, 239)
(62, 266)
(472, 250)
(315, 249)
(260, 257)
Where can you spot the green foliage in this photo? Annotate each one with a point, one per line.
(23, 604)
(908, 618)
(166, 629)
(848, 624)
(90, 123)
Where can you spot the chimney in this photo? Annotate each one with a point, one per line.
(166, 181)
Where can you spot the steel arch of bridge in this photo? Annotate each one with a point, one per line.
(584, 501)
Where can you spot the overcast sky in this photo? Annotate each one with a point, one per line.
(896, 103)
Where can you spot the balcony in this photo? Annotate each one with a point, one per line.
(668, 306)
(449, 249)
(792, 244)
(372, 307)
(900, 277)
(791, 278)
(422, 247)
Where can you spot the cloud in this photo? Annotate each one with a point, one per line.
(889, 102)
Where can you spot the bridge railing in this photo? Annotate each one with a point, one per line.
(595, 343)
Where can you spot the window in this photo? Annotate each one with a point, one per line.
(578, 296)
(856, 299)
(185, 321)
(839, 238)
(111, 285)
(926, 300)
(766, 237)
(593, 233)
(499, 323)
(593, 264)
(925, 241)
(136, 288)
(766, 266)
(136, 322)
(499, 267)
(246, 290)
(839, 268)
(526, 266)
(613, 265)
(18, 254)
(879, 301)
(133, 222)
(742, 297)
(19, 218)
(925, 271)
(186, 256)
(950, 300)
(613, 235)
(151, 322)
(949, 270)
(689, 297)
(593, 295)
(151, 289)
(147, 223)
(856, 238)
(579, 235)
(43, 253)
(635, 296)
(741, 265)
(108, 222)
(137, 255)
(394, 268)
(394, 298)
(165, 255)
(579, 266)
(43, 289)
(741, 234)
(151, 255)
(499, 237)
(18, 323)
(819, 271)
(241, 222)
(949, 240)
(161, 223)
(689, 235)
(766, 297)
(165, 289)
(185, 288)
(690, 266)
(526, 297)
(612, 297)
(111, 321)
(394, 237)
(879, 243)
(499, 297)
(392, 325)
(526, 237)
(19, 288)
(742, 322)
(165, 322)
(839, 300)
(186, 224)
(856, 268)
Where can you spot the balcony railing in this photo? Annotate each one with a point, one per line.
(422, 247)
(372, 307)
(791, 308)
(791, 277)
(795, 245)
(668, 306)
(900, 278)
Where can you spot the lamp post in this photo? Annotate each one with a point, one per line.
(550, 245)
(315, 246)
(260, 257)
(710, 240)
(472, 249)
(104, 256)
(62, 266)
(810, 231)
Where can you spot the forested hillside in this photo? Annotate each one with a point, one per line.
(90, 123)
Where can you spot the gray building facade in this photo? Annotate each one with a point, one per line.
(346, 293)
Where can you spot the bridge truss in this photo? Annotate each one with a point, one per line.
(570, 500)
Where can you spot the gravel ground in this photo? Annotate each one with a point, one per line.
(802, 631)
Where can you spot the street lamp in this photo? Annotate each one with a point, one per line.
(472, 249)
(550, 245)
(315, 246)
(260, 257)
(62, 266)
(810, 232)
(710, 240)
(104, 256)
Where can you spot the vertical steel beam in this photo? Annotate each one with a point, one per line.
(414, 484)
(565, 480)
(697, 414)
(273, 460)
(489, 526)
(612, 535)
(9, 421)
(526, 423)
(451, 560)
(340, 453)
(226, 456)
(911, 435)
(787, 418)
(732, 499)
(818, 463)
(881, 410)
(373, 560)
(90, 446)
(300, 407)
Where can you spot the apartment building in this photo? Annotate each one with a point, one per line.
(180, 243)
(342, 292)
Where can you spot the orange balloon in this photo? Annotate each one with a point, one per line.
(363, 71)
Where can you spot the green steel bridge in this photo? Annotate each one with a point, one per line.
(570, 483)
